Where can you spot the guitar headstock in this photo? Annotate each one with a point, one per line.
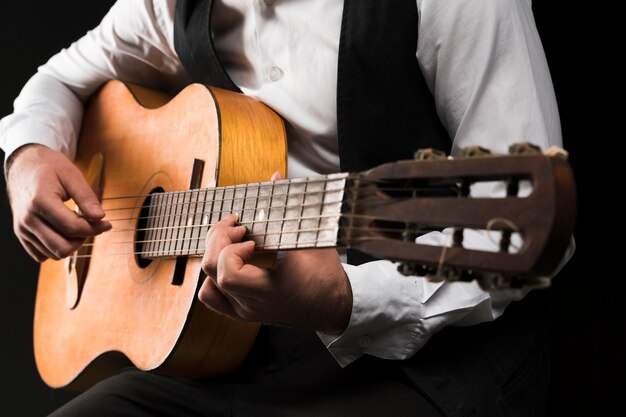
(512, 238)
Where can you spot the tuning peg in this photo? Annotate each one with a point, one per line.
(429, 154)
(524, 148)
(443, 275)
(407, 269)
(556, 152)
(475, 151)
(537, 282)
(492, 282)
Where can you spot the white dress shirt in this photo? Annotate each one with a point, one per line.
(482, 61)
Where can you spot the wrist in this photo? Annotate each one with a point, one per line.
(340, 316)
(15, 154)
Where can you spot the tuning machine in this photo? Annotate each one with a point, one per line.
(429, 154)
(524, 148)
(475, 152)
(409, 269)
(486, 281)
(557, 152)
(492, 282)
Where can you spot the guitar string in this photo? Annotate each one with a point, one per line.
(364, 202)
(233, 209)
(214, 191)
(269, 184)
(272, 247)
(284, 208)
(268, 233)
(307, 244)
(295, 245)
(252, 223)
(234, 190)
(302, 180)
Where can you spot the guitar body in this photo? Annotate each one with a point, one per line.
(124, 310)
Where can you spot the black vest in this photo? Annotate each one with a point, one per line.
(385, 112)
(382, 98)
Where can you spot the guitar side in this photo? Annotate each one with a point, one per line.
(135, 312)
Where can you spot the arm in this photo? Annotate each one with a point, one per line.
(40, 136)
(130, 44)
(485, 67)
(484, 64)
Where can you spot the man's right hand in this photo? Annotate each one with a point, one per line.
(39, 180)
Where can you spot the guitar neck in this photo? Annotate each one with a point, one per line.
(288, 214)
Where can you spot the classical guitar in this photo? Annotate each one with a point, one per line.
(167, 168)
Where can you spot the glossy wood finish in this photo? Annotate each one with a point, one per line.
(125, 310)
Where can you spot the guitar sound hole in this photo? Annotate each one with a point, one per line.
(144, 233)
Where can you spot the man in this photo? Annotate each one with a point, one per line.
(482, 63)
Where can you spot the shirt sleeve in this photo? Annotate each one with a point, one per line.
(133, 43)
(485, 66)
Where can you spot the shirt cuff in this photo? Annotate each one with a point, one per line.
(386, 314)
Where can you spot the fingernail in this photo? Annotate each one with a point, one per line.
(97, 210)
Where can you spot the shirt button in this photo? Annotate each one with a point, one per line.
(365, 342)
(276, 74)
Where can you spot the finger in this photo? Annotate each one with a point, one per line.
(238, 278)
(67, 222)
(50, 242)
(211, 296)
(37, 249)
(82, 194)
(220, 235)
(33, 252)
(277, 176)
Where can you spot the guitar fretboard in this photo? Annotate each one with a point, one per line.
(287, 214)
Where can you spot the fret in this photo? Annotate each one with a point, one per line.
(171, 222)
(209, 215)
(291, 218)
(251, 202)
(228, 204)
(276, 214)
(239, 200)
(266, 191)
(146, 249)
(300, 222)
(311, 203)
(331, 210)
(200, 198)
(147, 246)
(162, 220)
(320, 212)
(175, 242)
(176, 223)
(186, 223)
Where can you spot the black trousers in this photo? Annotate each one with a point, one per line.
(288, 373)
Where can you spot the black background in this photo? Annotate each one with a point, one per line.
(588, 321)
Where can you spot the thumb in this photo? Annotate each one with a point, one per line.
(242, 252)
